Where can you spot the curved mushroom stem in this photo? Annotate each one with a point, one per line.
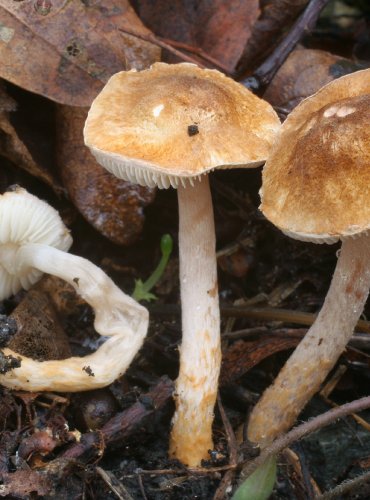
(200, 353)
(315, 356)
(117, 316)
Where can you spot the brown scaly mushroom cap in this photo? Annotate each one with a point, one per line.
(316, 183)
(316, 187)
(171, 123)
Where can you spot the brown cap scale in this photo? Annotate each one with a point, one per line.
(316, 187)
(169, 126)
(34, 240)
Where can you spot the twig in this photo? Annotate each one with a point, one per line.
(302, 430)
(197, 51)
(298, 459)
(170, 45)
(231, 439)
(141, 486)
(233, 453)
(115, 486)
(199, 471)
(124, 423)
(155, 41)
(277, 446)
(358, 340)
(305, 23)
(345, 487)
(259, 313)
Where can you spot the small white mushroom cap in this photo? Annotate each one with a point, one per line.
(26, 219)
(33, 240)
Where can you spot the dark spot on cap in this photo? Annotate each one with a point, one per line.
(193, 130)
(89, 371)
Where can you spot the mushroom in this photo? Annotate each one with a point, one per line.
(171, 125)
(34, 240)
(316, 187)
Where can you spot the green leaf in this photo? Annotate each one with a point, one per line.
(259, 485)
(140, 293)
(142, 289)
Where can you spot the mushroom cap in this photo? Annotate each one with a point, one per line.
(175, 122)
(26, 219)
(316, 183)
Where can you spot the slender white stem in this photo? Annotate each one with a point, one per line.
(318, 352)
(117, 316)
(200, 353)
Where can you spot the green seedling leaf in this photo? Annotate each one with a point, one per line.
(142, 289)
(259, 485)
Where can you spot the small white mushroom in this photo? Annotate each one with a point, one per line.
(34, 240)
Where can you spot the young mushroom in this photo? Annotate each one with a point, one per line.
(316, 187)
(34, 240)
(171, 125)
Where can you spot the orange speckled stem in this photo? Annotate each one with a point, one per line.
(315, 356)
(200, 353)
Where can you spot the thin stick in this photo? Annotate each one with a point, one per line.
(279, 444)
(113, 484)
(345, 487)
(155, 41)
(305, 23)
(301, 431)
(262, 313)
(195, 50)
(124, 423)
(170, 45)
(228, 478)
(231, 439)
(141, 486)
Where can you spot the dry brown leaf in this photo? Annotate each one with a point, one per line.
(67, 50)
(113, 206)
(244, 355)
(24, 482)
(304, 73)
(39, 334)
(220, 27)
(63, 296)
(14, 149)
(238, 263)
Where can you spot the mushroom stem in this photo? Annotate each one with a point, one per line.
(117, 316)
(200, 352)
(315, 356)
